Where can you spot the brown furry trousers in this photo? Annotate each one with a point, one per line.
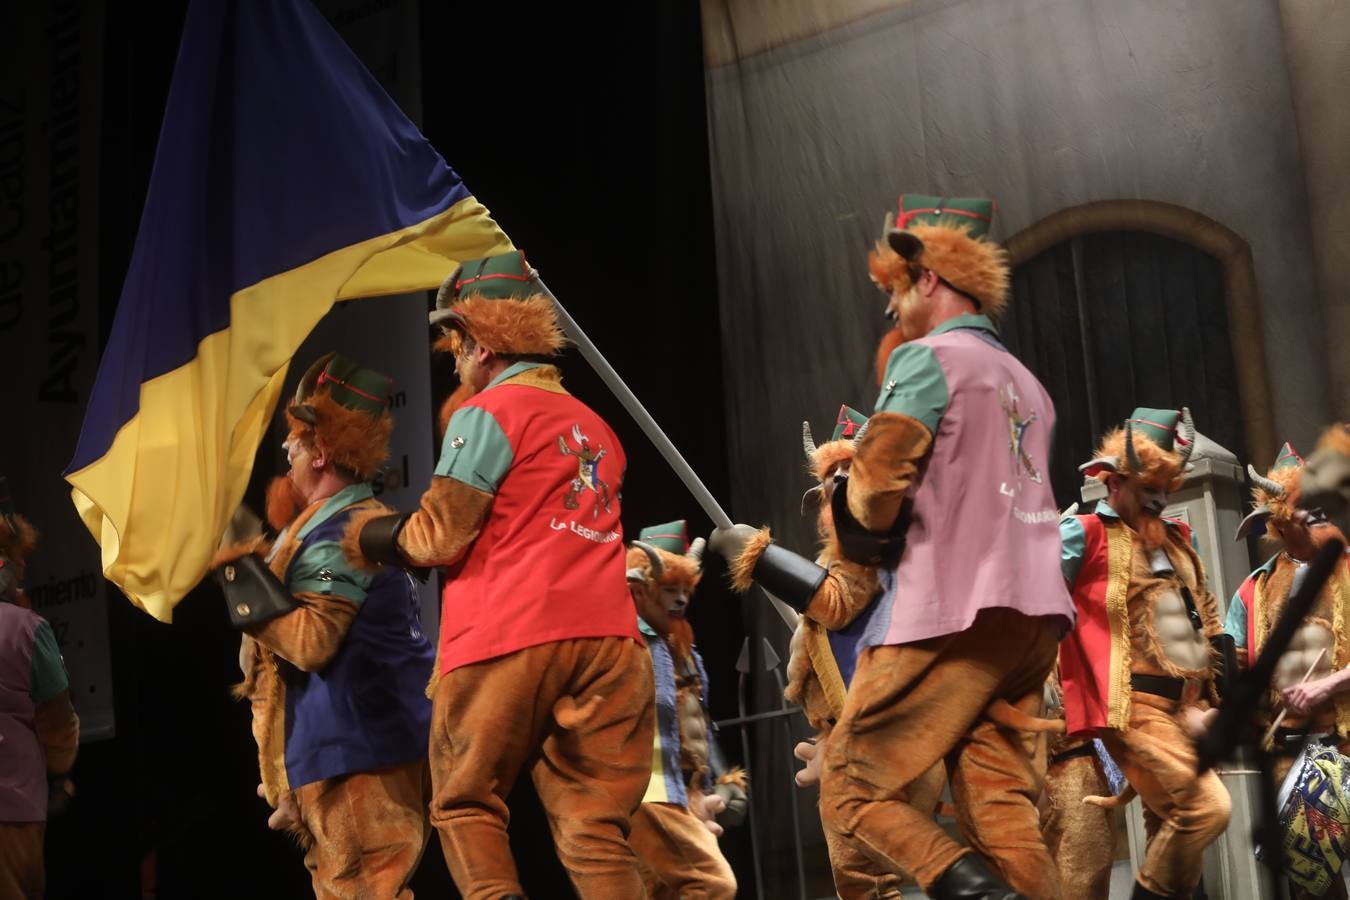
(21, 872)
(856, 875)
(1081, 837)
(1183, 812)
(578, 715)
(368, 832)
(679, 856)
(913, 705)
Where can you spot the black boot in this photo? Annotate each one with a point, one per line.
(1143, 893)
(969, 878)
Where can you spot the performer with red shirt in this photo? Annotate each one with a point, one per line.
(1140, 652)
(540, 663)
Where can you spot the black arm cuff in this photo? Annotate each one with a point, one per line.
(791, 578)
(858, 544)
(379, 539)
(253, 594)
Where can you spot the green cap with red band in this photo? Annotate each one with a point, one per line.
(349, 384)
(672, 537)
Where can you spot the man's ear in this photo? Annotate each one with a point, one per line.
(928, 282)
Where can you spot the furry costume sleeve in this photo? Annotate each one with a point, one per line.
(448, 520)
(58, 731)
(310, 636)
(845, 592)
(886, 462)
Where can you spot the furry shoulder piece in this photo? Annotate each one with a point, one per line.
(353, 440)
(528, 326)
(1161, 468)
(970, 264)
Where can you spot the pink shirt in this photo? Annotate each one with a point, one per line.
(984, 529)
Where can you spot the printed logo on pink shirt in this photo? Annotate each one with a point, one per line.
(1017, 431)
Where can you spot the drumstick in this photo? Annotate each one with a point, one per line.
(1270, 732)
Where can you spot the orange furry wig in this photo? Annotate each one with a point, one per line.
(972, 265)
(661, 567)
(513, 327)
(1132, 452)
(354, 440)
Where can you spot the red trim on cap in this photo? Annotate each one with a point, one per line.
(324, 376)
(459, 285)
(907, 214)
(1175, 434)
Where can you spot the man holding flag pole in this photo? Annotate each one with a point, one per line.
(540, 665)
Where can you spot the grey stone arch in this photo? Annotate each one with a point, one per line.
(1234, 259)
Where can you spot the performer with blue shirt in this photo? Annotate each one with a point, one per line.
(334, 658)
(691, 793)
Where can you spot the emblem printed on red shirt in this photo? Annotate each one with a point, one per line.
(588, 472)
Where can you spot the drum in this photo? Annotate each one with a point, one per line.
(1314, 805)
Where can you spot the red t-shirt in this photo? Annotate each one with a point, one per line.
(548, 564)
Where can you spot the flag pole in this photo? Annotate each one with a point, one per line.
(654, 433)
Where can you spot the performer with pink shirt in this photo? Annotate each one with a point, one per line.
(949, 496)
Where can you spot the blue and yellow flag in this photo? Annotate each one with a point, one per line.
(285, 179)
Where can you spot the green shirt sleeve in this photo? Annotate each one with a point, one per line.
(49, 672)
(915, 385)
(475, 450)
(1235, 623)
(322, 568)
(1072, 546)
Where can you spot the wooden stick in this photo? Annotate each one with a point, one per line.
(1270, 732)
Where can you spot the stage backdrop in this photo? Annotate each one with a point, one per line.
(50, 118)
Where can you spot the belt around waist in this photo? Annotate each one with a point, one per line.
(1159, 685)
